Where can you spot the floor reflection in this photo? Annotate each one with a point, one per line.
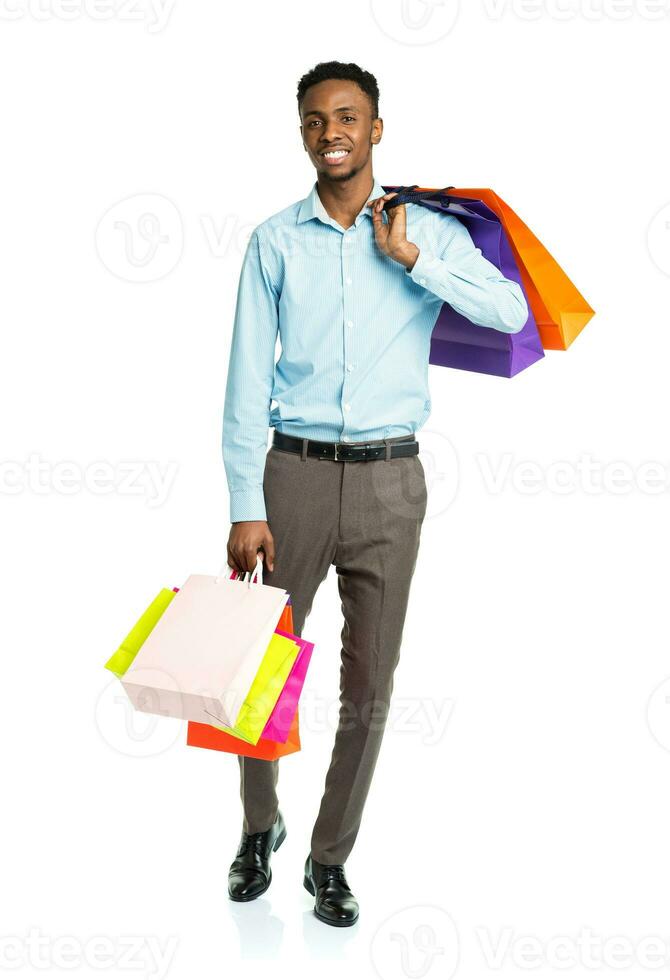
(327, 942)
(260, 930)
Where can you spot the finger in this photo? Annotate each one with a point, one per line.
(250, 558)
(269, 549)
(377, 218)
(380, 228)
(263, 555)
(378, 213)
(397, 220)
(378, 202)
(233, 561)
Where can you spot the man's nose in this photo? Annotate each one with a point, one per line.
(331, 131)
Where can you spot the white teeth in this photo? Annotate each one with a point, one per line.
(336, 153)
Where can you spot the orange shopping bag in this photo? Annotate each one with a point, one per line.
(209, 737)
(560, 310)
(286, 619)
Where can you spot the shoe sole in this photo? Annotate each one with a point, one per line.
(331, 922)
(249, 898)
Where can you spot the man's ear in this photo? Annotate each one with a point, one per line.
(377, 130)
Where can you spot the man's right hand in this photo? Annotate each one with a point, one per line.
(246, 539)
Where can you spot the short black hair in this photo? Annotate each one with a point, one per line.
(347, 71)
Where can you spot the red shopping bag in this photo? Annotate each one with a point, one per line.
(207, 737)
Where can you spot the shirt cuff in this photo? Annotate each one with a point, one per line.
(425, 268)
(247, 505)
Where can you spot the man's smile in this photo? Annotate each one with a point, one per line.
(334, 157)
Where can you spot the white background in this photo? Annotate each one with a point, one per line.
(518, 817)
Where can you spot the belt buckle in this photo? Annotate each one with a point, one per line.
(345, 446)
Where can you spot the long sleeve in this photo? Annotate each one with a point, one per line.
(460, 275)
(249, 386)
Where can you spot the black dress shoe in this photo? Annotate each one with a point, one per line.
(335, 903)
(250, 874)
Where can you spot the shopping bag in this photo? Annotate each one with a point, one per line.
(456, 341)
(210, 737)
(261, 699)
(276, 724)
(201, 657)
(265, 747)
(282, 709)
(560, 310)
(279, 723)
(286, 618)
(282, 713)
(207, 737)
(122, 658)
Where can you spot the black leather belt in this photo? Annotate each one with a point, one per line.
(376, 449)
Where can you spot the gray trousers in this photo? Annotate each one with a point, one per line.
(365, 518)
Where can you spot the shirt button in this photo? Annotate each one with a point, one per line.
(422, 282)
(345, 438)
(350, 367)
(347, 407)
(350, 323)
(348, 280)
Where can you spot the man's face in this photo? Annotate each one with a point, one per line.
(337, 128)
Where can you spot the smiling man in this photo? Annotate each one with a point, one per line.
(353, 295)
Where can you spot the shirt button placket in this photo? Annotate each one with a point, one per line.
(347, 307)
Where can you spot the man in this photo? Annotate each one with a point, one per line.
(353, 293)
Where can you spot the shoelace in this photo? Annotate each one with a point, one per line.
(256, 841)
(334, 871)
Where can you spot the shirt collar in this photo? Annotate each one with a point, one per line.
(312, 207)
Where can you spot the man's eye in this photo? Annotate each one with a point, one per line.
(353, 118)
(314, 122)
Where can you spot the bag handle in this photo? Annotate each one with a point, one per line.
(257, 573)
(410, 195)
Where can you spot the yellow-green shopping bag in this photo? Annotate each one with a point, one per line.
(276, 665)
(121, 660)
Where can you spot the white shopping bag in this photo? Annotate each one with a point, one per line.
(200, 659)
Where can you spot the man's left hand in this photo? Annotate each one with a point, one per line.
(391, 236)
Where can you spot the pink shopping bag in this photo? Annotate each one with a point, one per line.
(279, 723)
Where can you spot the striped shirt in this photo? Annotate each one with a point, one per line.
(354, 327)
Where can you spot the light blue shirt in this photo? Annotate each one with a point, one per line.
(355, 329)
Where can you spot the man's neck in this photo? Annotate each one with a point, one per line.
(344, 199)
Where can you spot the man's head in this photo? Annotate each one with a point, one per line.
(339, 115)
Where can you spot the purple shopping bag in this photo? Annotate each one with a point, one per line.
(457, 342)
(278, 724)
